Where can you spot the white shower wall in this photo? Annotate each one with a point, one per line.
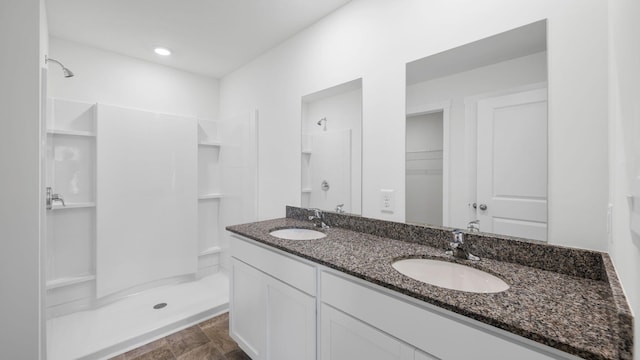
(147, 182)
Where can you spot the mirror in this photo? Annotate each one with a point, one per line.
(476, 135)
(332, 149)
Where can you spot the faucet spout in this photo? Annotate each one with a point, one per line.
(458, 248)
(318, 218)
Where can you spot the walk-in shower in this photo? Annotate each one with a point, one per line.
(139, 249)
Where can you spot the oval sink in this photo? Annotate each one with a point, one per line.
(450, 275)
(298, 234)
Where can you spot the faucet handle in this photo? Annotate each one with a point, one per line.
(458, 236)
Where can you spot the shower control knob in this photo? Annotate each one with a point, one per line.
(483, 207)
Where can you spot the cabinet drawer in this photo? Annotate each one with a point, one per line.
(283, 267)
(434, 332)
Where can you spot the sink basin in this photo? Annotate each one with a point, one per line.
(298, 234)
(450, 275)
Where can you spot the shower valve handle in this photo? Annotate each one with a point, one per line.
(51, 197)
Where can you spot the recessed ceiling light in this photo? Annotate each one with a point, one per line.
(162, 51)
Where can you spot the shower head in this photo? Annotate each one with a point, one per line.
(319, 123)
(67, 73)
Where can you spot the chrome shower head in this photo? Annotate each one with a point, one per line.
(67, 73)
(319, 123)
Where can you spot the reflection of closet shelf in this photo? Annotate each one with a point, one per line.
(306, 190)
(74, 206)
(71, 132)
(210, 143)
(209, 196)
(66, 281)
(424, 155)
(209, 251)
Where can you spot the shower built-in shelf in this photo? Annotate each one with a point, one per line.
(71, 132)
(74, 206)
(209, 196)
(209, 144)
(210, 251)
(306, 152)
(66, 281)
(306, 190)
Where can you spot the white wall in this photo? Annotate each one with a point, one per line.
(374, 39)
(624, 135)
(455, 90)
(21, 25)
(113, 79)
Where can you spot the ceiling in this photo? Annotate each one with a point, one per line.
(209, 37)
(522, 41)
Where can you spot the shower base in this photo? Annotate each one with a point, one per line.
(133, 321)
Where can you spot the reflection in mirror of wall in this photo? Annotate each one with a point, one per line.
(476, 135)
(331, 165)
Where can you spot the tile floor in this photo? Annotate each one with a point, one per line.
(208, 340)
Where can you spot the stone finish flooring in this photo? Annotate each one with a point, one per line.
(208, 340)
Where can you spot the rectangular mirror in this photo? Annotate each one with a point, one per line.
(476, 135)
(332, 149)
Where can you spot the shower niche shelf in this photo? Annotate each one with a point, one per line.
(74, 206)
(68, 281)
(209, 194)
(70, 132)
(70, 172)
(210, 251)
(210, 144)
(210, 197)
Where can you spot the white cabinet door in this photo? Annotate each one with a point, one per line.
(247, 320)
(269, 319)
(291, 322)
(346, 338)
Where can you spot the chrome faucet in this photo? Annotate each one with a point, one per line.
(318, 218)
(458, 248)
(339, 209)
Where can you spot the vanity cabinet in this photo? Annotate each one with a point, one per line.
(277, 302)
(272, 303)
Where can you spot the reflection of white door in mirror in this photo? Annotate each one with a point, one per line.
(512, 164)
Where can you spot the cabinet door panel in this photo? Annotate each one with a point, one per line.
(247, 306)
(345, 338)
(291, 326)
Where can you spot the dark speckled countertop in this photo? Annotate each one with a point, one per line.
(572, 307)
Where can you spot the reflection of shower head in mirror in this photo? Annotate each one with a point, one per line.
(325, 123)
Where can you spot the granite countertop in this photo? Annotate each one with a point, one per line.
(582, 316)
